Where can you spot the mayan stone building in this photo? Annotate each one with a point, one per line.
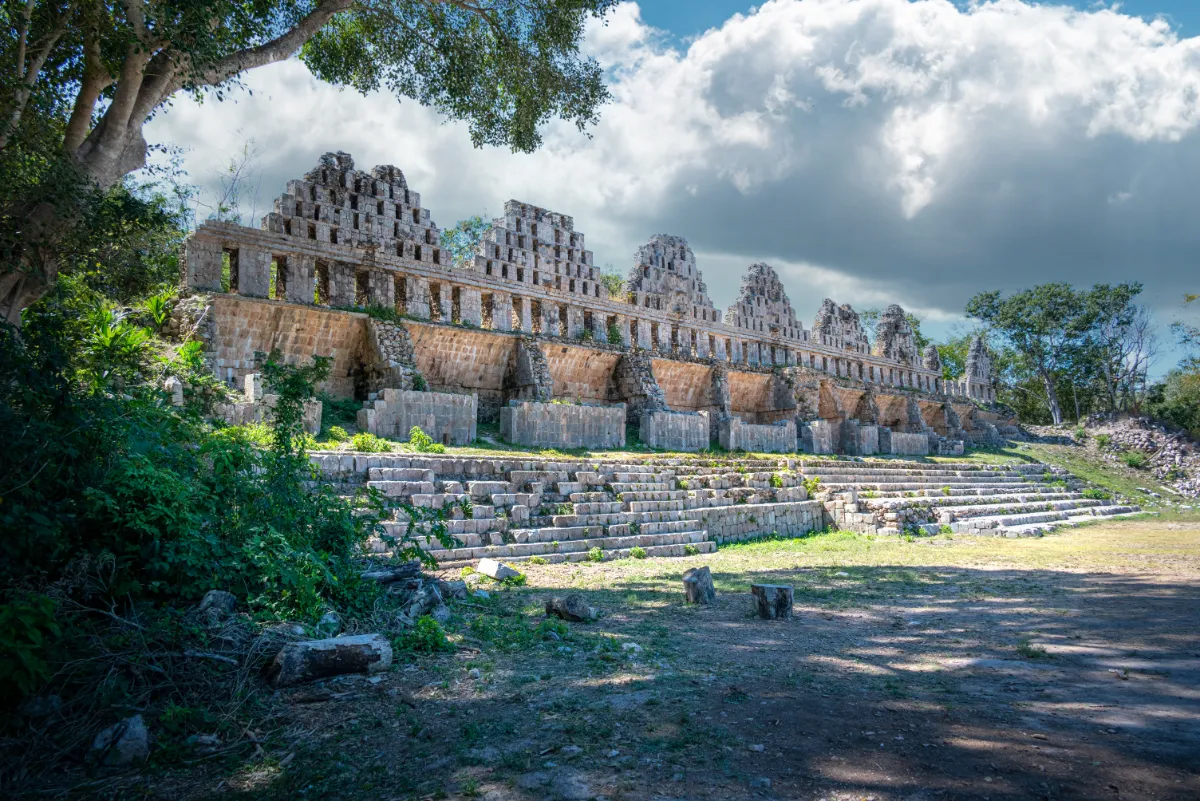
(350, 265)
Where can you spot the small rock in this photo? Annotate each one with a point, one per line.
(440, 613)
(217, 604)
(483, 594)
(570, 750)
(496, 570)
(453, 589)
(761, 782)
(759, 747)
(572, 608)
(613, 753)
(677, 777)
(475, 673)
(330, 623)
(204, 743)
(631, 647)
(41, 707)
(123, 743)
(553, 635)
(698, 586)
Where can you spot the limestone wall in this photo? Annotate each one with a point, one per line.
(746, 521)
(675, 431)
(779, 438)
(560, 425)
(242, 326)
(465, 361)
(909, 444)
(449, 419)
(581, 373)
(686, 386)
(817, 437)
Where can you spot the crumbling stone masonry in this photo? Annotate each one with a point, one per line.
(675, 431)
(563, 425)
(343, 238)
(778, 438)
(448, 419)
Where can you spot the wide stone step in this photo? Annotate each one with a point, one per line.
(960, 492)
(652, 486)
(990, 510)
(608, 554)
(401, 489)
(399, 474)
(905, 486)
(517, 550)
(655, 506)
(660, 495)
(943, 502)
(589, 497)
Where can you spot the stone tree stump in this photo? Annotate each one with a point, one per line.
(772, 601)
(698, 586)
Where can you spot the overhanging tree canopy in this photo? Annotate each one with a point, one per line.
(100, 70)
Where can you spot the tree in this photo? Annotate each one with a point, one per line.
(463, 239)
(1121, 341)
(99, 71)
(1189, 337)
(612, 281)
(1046, 325)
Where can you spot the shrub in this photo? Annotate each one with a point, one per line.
(421, 442)
(637, 552)
(537, 560)
(690, 550)
(336, 434)
(595, 555)
(1103, 440)
(614, 334)
(426, 637)
(776, 480)
(1135, 459)
(1081, 433)
(812, 484)
(159, 307)
(369, 443)
(1096, 494)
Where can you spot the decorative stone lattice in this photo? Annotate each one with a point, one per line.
(980, 374)
(840, 327)
(763, 305)
(933, 359)
(894, 338)
(535, 246)
(665, 278)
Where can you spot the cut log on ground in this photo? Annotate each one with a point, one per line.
(572, 608)
(772, 601)
(698, 586)
(389, 573)
(300, 662)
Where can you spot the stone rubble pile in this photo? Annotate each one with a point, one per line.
(1174, 458)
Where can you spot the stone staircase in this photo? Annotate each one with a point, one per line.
(893, 497)
(517, 509)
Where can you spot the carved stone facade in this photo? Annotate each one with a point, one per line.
(343, 237)
(894, 338)
(980, 374)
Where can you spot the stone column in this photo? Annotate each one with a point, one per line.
(204, 262)
(599, 327)
(446, 302)
(664, 338)
(501, 311)
(341, 284)
(526, 316)
(470, 306)
(417, 292)
(643, 334)
(381, 289)
(300, 279)
(574, 321)
(702, 341)
(254, 273)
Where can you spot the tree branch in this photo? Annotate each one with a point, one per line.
(27, 78)
(95, 80)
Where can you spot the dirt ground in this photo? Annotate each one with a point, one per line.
(1066, 667)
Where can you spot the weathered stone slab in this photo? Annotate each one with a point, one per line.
(674, 431)
(772, 601)
(698, 586)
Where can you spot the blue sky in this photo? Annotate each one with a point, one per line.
(687, 18)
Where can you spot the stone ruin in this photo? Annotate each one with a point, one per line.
(348, 264)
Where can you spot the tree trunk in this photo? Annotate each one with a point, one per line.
(1052, 399)
(35, 269)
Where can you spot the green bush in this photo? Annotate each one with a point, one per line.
(337, 434)
(28, 627)
(1081, 433)
(614, 334)
(690, 550)
(777, 480)
(421, 442)
(426, 637)
(1135, 459)
(637, 552)
(812, 485)
(1103, 440)
(1096, 494)
(369, 443)
(595, 555)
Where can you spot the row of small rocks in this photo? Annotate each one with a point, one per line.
(1173, 456)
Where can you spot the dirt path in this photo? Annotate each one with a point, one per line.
(1061, 668)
